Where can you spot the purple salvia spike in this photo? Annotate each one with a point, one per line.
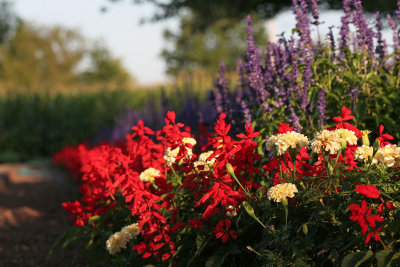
(294, 120)
(397, 12)
(380, 48)
(246, 112)
(268, 72)
(331, 38)
(302, 22)
(253, 66)
(222, 82)
(242, 78)
(315, 12)
(364, 33)
(396, 39)
(344, 29)
(321, 106)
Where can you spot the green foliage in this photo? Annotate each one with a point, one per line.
(41, 124)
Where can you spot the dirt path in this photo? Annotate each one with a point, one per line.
(31, 215)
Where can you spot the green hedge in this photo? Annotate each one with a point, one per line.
(40, 124)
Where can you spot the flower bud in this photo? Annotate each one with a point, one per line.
(377, 145)
(230, 169)
(343, 144)
(365, 139)
(305, 229)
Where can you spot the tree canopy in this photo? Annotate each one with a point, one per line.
(7, 20)
(224, 40)
(46, 58)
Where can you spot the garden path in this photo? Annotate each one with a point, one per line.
(31, 215)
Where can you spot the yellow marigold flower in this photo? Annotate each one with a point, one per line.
(288, 141)
(364, 153)
(347, 135)
(117, 241)
(133, 229)
(282, 191)
(149, 175)
(388, 155)
(326, 141)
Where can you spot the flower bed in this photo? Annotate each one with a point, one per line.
(167, 198)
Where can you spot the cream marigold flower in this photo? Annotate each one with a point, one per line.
(388, 155)
(170, 155)
(287, 141)
(133, 229)
(189, 140)
(326, 141)
(149, 175)
(202, 161)
(347, 135)
(117, 241)
(282, 191)
(364, 153)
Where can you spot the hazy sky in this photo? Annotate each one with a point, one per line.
(139, 46)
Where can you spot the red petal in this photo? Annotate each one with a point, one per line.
(368, 191)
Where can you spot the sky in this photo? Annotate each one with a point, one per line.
(138, 46)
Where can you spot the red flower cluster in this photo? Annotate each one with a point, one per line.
(69, 157)
(109, 172)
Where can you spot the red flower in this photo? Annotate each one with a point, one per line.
(375, 233)
(284, 128)
(362, 215)
(389, 205)
(345, 115)
(383, 137)
(368, 190)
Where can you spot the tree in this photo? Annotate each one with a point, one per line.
(7, 21)
(38, 57)
(47, 58)
(105, 68)
(223, 40)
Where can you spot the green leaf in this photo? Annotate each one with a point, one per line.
(200, 239)
(355, 259)
(249, 209)
(216, 260)
(384, 258)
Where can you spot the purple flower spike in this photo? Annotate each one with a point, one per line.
(321, 106)
(315, 12)
(253, 66)
(380, 48)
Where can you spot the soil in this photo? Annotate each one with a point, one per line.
(31, 215)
